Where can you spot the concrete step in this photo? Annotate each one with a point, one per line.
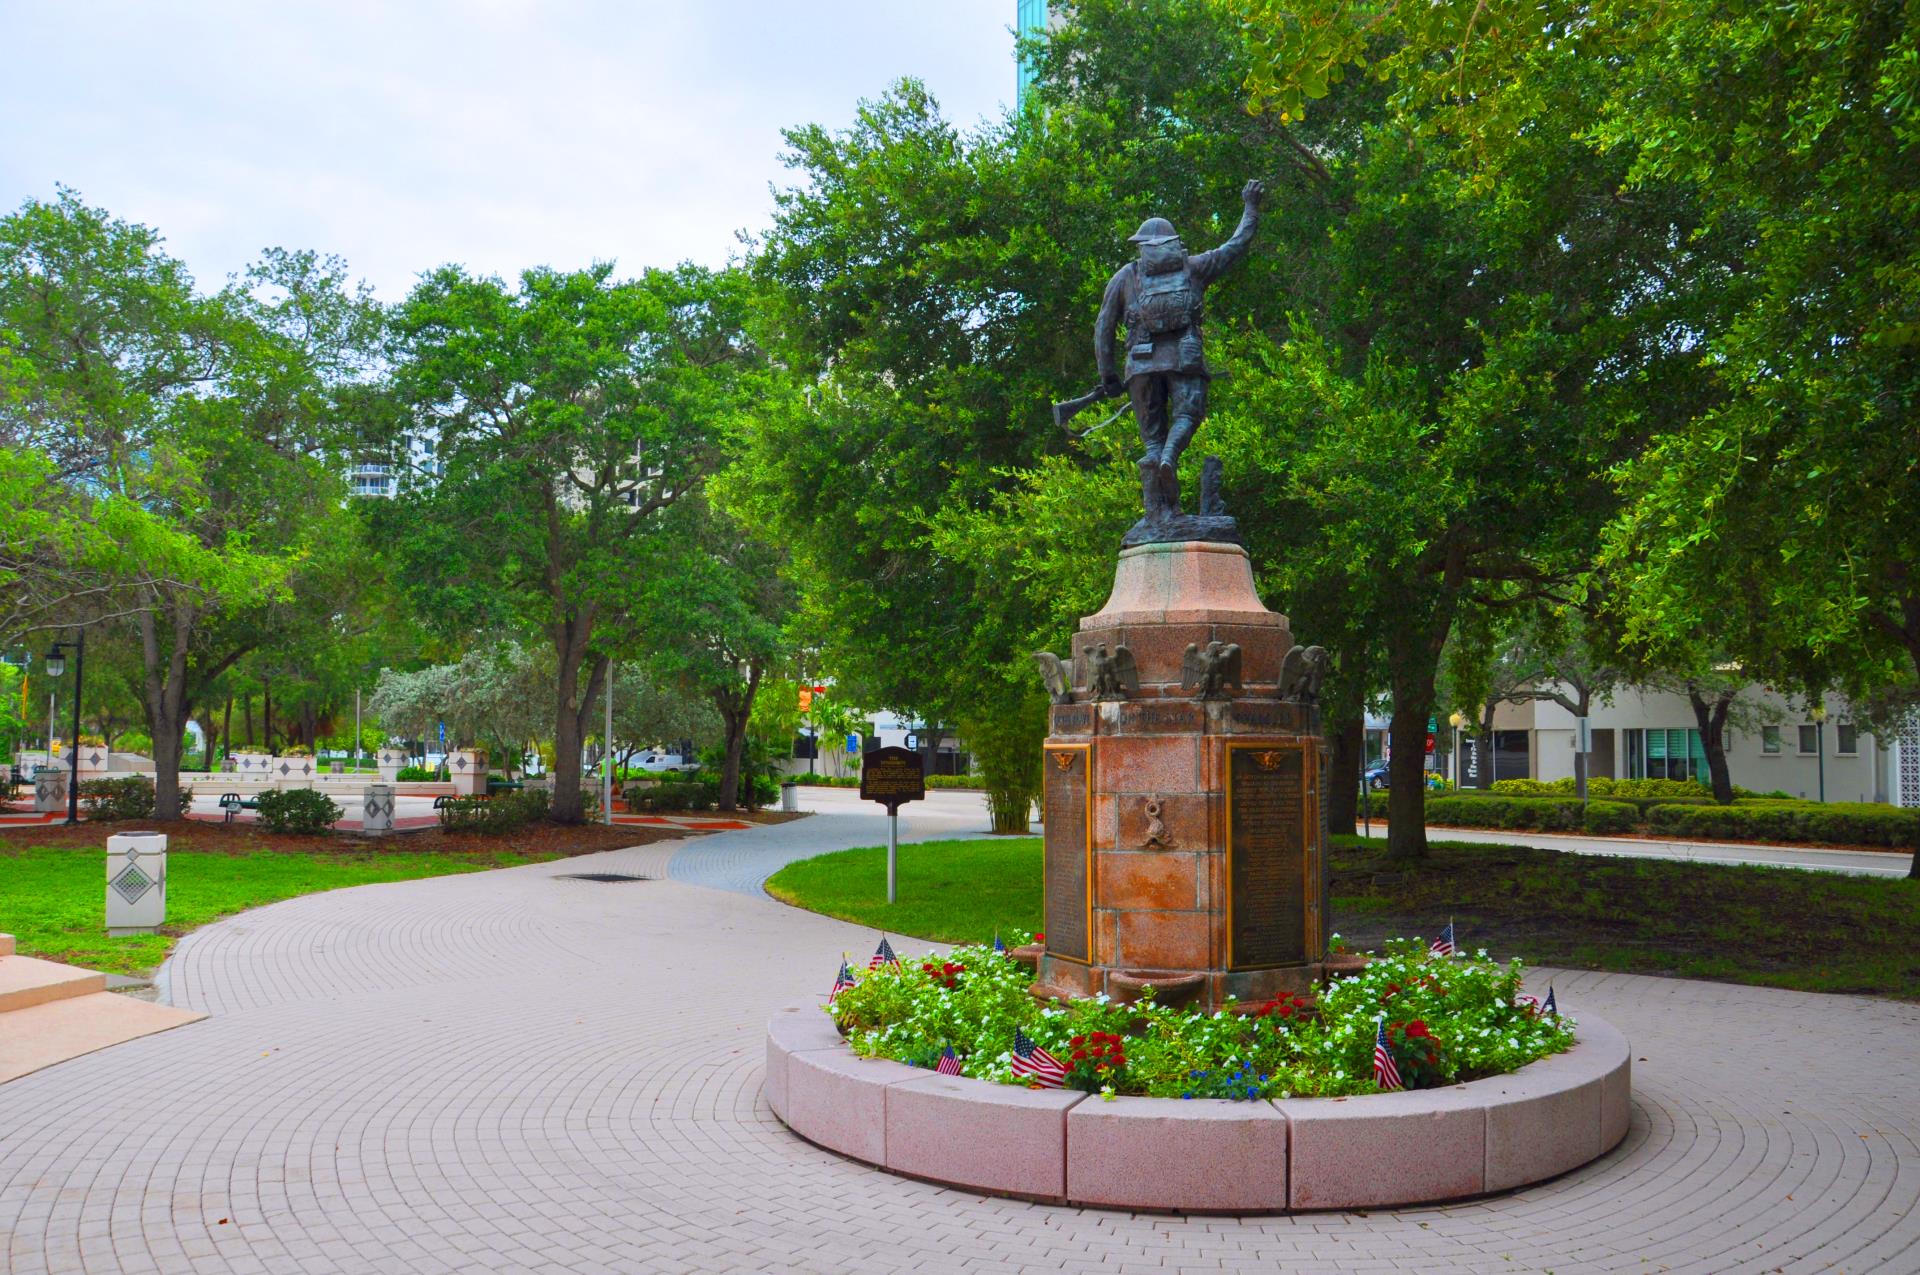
(55, 1031)
(6, 945)
(26, 981)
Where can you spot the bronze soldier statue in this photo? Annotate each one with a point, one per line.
(1160, 299)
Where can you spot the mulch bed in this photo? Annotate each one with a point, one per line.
(543, 839)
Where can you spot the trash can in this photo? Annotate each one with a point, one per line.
(790, 797)
(136, 883)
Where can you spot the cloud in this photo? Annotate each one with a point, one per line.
(494, 133)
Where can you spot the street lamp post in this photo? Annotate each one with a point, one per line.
(1819, 715)
(56, 665)
(1457, 720)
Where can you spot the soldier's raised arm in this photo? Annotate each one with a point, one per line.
(1208, 266)
(1106, 330)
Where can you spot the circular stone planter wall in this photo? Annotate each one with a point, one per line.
(1202, 1156)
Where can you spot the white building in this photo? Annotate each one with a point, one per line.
(1647, 734)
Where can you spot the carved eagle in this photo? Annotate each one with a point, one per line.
(1208, 673)
(1113, 676)
(1053, 671)
(1301, 673)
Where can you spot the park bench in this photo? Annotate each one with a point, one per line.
(232, 803)
(505, 785)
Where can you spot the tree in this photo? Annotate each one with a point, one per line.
(569, 414)
(185, 433)
(1787, 481)
(493, 697)
(716, 613)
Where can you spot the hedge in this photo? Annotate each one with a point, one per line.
(297, 810)
(1841, 822)
(503, 813)
(669, 797)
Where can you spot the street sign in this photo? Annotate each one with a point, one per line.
(1429, 743)
(853, 743)
(1583, 734)
(913, 741)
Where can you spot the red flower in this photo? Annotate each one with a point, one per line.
(1039, 938)
(1078, 1041)
(1079, 1055)
(1417, 1028)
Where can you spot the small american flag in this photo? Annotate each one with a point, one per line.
(841, 982)
(1386, 1072)
(1550, 1007)
(949, 1063)
(883, 955)
(998, 946)
(1443, 946)
(1036, 1064)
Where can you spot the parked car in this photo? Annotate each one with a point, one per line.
(661, 763)
(1377, 778)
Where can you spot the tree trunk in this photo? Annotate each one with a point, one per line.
(246, 705)
(573, 711)
(266, 714)
(1407, 776)
(226, 734)
(736, 711)
(1712, 717)
(1349, 745)
(165, 683)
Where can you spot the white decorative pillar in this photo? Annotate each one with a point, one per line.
(468, 767)
(50, 790)
(251, 765)
(376, 808)
(136, 882)
(389, 759)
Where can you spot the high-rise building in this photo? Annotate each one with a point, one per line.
(1030, 16)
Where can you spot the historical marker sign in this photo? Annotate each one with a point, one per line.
(892, 776)
(1268, 832)
(1069, 851)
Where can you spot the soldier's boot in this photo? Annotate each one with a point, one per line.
(1179, 434)
(1150, 499)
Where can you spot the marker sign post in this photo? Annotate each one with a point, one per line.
(893, 777)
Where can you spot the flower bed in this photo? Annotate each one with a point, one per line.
(1448, 1019)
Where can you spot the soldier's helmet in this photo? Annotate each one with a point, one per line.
(1153, 230)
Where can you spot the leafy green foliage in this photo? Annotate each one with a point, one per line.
(503, 812)
(128, 798)
(972, 1001)
(297, 810)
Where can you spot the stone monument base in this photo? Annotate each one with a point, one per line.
(1184, 830)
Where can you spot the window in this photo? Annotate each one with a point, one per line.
(1846, 737)
(1809, 739)
(1674, 754)
(1769, 739)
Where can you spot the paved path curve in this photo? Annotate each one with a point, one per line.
(515, 1071)
(1866, 863)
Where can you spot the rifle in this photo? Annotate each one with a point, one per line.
(1064, 412)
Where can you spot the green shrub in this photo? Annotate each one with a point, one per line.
(1844, 823)
(127, 798)
(414, 775)
(1604, 786)
(972, 782)
(828, 781)
(297, 810)
(505, 813)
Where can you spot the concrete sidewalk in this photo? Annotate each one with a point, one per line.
(524, 1071)
(1876, 863)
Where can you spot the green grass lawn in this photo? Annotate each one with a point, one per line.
(1778, 927)
(53, 898)
(950, 891)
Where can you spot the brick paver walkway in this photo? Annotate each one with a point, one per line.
(513, 1071)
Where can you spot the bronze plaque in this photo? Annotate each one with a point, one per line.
(1069, 851)
(1269, 822)
(892, 776)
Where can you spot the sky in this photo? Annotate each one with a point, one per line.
(494, 133)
